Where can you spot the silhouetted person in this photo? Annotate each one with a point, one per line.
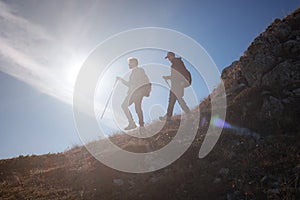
(138, 87)
(177, 86)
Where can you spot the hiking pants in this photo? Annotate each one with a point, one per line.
(137, 100)
(172, 101)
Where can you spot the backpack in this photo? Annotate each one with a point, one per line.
(146, 87)
(186, 74)
(188, 78)
(179, 66)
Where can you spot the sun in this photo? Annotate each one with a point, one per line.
(72, 70)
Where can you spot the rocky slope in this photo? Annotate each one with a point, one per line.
(265, 81)
(263, 92)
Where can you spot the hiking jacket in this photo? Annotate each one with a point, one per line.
(137, 79)
(177, 69)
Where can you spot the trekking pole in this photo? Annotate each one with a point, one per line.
(167, 83)
(109, 98)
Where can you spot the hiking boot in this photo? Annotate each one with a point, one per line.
(164, 118)
(142, 125)
(130, 126)
(142, 130)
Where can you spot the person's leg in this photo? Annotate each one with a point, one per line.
(127, 112)
(172, 100)
(139, 111)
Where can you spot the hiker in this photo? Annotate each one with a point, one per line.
(178, 83)
(138, 87)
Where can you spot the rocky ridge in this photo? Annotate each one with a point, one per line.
(265, 82)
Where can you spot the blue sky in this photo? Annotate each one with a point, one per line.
(44, 43)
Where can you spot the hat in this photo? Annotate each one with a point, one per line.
(170, 54)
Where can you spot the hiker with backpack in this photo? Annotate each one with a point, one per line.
(138, 87)
(180, 78)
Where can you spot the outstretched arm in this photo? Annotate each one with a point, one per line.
(123, 81)
(166, 77)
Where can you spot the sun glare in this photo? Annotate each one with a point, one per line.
(73, 70)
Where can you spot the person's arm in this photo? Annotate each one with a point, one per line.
(167, 77)
(123, 81)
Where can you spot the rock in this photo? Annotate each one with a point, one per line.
(255, 69)
(283, 74)
(286, 101)
(265, 93)
(232, 155)
(291, 47)
(154, 179)
(224, 171)
(17, 179)
(271, 108)
(229, 196)
(297, 92)
(237, 87)
(118, 182)
(267, 75)
(273, 191)
(263, 179)
(281, 31)
(278, 43)
(131, 183)
(295, 35)
(231, 71)
(233, 78)
(217, 180)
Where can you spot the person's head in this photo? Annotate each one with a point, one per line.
(170, 56)
(132, 62)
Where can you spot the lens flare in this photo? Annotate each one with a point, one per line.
(221, 123)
